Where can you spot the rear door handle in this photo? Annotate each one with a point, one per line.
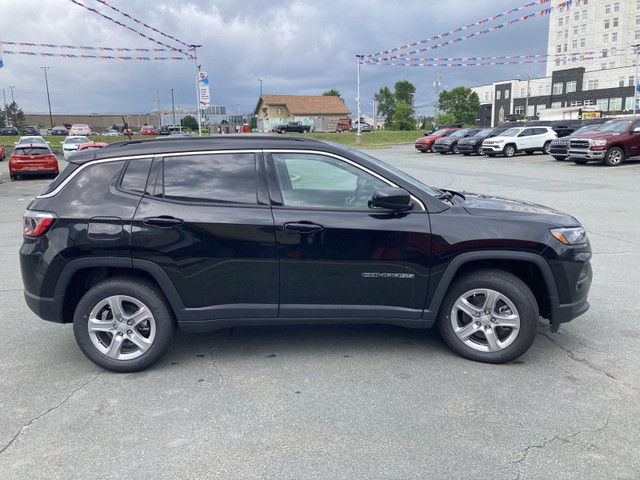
(163, 221)
(303, 227)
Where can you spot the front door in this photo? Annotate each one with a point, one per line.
(339, 258)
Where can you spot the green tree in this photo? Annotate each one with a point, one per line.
(446, 119)
(333, 93)
(189, 122)
(462, 102)
(16, 116)
(2, 124)
(386, 102)
(253, 122)
(402, 118)
(404, 91)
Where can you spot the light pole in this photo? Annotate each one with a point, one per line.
(11, 87)
(359, 134)
(195, 57)
(46, 81)
(173, 108)
(526, 99)
(260, 80)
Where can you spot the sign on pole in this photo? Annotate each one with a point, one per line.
(205, 98)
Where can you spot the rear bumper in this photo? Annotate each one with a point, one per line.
(49, 309)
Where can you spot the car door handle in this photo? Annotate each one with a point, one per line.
(303, 227)
(163, 221)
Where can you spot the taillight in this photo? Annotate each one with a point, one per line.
(37, 223)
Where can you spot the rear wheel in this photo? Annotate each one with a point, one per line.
(479, 149)
(123, 325)
(454, 149)
(509, 151)
(546, 148)
(490, 316)
(614, 157)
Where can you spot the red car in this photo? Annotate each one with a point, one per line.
(32, 159)
(127, 131)
(147, 130)
(91, 146)
(425, 144)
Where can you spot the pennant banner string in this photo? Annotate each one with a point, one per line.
(83, 47)
(99, 57)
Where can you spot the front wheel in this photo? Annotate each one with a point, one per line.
(454, 149)
(479, 149)
(546, 149)
(614, 157)
(489, 316)
(123, 325)
(509, 151)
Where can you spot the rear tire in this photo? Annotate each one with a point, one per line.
(546, 148)
(489, 316)
(123, 324)
(614, 157)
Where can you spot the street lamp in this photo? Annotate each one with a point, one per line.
(526, 100)
(260, 80)
(173, 108)
(195, 57)
(359, 134)
(46, 81)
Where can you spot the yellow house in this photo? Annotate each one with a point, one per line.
(311, 110)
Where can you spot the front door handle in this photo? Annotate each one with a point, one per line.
(303, 227)
(163, 221)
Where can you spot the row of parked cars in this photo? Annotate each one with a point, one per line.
(610, 142)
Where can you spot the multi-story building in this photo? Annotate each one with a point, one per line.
(591, 65)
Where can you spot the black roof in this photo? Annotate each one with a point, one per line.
(170, 144)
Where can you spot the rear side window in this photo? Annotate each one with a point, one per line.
(135, 176)
(214, 178)
(31, 151)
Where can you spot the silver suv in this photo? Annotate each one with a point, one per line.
(520, 139)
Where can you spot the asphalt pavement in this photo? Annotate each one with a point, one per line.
(345, 402)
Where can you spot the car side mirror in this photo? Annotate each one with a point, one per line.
(392, 198)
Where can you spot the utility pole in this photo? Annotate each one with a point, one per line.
(6, 114)
(375, 114)
(359, 134)
(437, 84)
(11, 87)
(159, 114)
(195, 58)
(260, 80)
(46, 81)
(173, 108)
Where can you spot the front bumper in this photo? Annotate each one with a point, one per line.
(492, 148)
(466, 148)
(441, 147)
(586, 154)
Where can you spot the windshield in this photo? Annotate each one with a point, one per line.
(512, 132)
(77, 140)
(459, 133)
(437, 132)
(615, 126)
(399, 173)
(586, 128)
(31, 151)
(484, 133)
(31, 140)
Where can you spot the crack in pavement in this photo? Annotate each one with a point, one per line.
(55, 407)
(573, 357)
(565, 439)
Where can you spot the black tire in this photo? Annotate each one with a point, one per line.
(430, 149)
(580, 162)
(13, 177)
(529, 152)
(454, 149)
(614, 157)
(509, 151)
(479, 149)
(546, 149)
(495, 333)
(143, 343)
(558, 158)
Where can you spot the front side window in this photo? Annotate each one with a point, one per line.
(215, 178)
(318, 181)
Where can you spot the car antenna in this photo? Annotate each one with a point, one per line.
(126, 127)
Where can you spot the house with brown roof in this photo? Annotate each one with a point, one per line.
(312, 110)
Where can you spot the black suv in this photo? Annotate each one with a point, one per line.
(138, 237)
(473, 144)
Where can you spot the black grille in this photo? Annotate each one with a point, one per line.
(579, 143)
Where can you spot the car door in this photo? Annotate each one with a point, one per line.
(201, 221)
(525, 139)
(340, 258)
(634, 145)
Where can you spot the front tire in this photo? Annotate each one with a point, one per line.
(479, 149)
(489, 316)
(614, 157)
(454, 149)
(546, 149)
(123, 325)
(509, 151)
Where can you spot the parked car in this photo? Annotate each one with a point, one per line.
(559, 148)
(473, 144)
(80, 129)
(127, 131)
(519, 139)
(2, 154)
(29, 131)
(32, 159)
(91, 146)
(364, 127)
(10, 131)
(292, 127)
(137, 238)
(164, 130)
(60, 130)
(612, 143)
(31, 140)
(425, 143)
(449, 144)
(112, 132)
(147, 130)
(71, 143)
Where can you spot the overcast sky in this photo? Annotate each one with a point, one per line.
(296, 47)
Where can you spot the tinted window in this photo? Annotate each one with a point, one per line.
(31, 151)
(135, 177)
(221, 178)
(317, 181)
(539, 131)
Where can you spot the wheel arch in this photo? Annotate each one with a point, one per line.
(531, 268)
(81, 274)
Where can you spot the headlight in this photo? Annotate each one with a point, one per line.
(570, 236)
(598, 143)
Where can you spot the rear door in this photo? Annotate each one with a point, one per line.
(339, 258)
(202, 222)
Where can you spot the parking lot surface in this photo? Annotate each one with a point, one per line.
(341, 401)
